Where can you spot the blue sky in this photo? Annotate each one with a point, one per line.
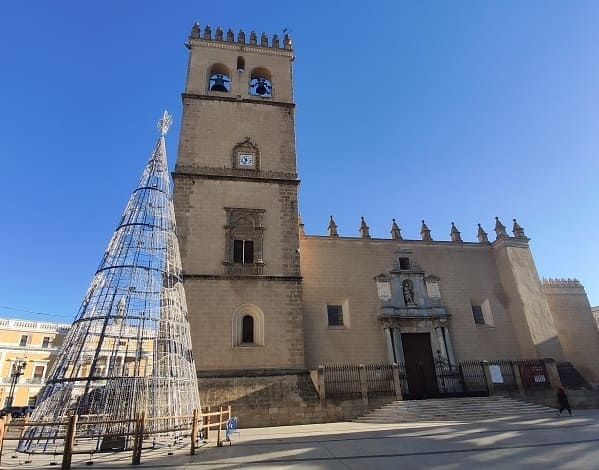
(443, 111)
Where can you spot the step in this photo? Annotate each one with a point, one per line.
(462, 409)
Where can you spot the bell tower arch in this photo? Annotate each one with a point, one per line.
(235, 195)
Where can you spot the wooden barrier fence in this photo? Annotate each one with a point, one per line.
(75, 428)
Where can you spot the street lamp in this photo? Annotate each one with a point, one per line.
(18, 368)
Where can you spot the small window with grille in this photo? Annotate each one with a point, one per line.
(335, 315)
(481, 312)
(477, 313)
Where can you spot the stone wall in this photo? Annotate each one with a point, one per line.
(575, 325)
(342, 270)
(211, 303)
(528, 305)
(275, 398)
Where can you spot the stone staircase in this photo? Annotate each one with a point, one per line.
(455, 409)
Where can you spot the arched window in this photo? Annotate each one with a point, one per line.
(247, 329)
(261, 82)
(240, 64)
(220, 78)
(248, 326)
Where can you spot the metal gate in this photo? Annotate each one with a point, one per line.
(451, 381)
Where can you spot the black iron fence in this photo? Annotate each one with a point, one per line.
(468, 378)
(342, 381)
(379, 380)
(473, 377)
(502, 376)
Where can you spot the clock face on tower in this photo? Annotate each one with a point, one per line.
(246, 160)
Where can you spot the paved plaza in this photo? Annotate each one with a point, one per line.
(504, 443)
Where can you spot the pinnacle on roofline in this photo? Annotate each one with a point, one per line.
(455, 234)
(196, 33)
(425, 233)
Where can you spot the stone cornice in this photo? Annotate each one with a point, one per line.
(235, 46)
(236, 99)
(399, 243)
(521, 242)
(234, 174)
(220, 277)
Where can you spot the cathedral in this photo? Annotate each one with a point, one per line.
(269, 303)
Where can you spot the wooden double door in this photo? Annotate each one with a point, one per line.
(419, 366)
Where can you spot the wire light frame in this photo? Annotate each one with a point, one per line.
(129, 349)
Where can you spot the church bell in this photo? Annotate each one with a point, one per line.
(219, 83)
(262, 87)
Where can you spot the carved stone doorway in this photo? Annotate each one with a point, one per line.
(420, 366)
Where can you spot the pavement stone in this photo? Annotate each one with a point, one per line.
(527, 442)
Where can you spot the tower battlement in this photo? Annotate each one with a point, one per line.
(240, 38)
(557, 282)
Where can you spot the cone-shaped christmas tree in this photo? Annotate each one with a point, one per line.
(129, 349)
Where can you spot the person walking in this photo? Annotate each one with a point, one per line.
(562, 399)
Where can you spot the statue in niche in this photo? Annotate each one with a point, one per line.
(408, 292)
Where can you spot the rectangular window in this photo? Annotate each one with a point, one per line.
(24, 339)
(38, 372)
(481, 311)
(243, 251)
(335, 315)
(477, 312)
(32, 401)
(404, 263)
(46, 342)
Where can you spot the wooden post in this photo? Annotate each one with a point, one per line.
(229, 414)
(69, 442)
(138, 438)
(220, 422)
(2, 429)
(396, 381)
(194, 432)
(208, 416)
(134, 460)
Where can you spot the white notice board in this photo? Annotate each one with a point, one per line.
(496, 376)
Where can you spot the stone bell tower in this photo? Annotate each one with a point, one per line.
(236, 202)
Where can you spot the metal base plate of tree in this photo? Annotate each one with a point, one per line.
(129, 349)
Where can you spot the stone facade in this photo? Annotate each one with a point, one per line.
(236, 207)
(260, 319)
(274, 398)
(575, 324)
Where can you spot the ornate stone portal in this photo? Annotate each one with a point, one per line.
(411, 303)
